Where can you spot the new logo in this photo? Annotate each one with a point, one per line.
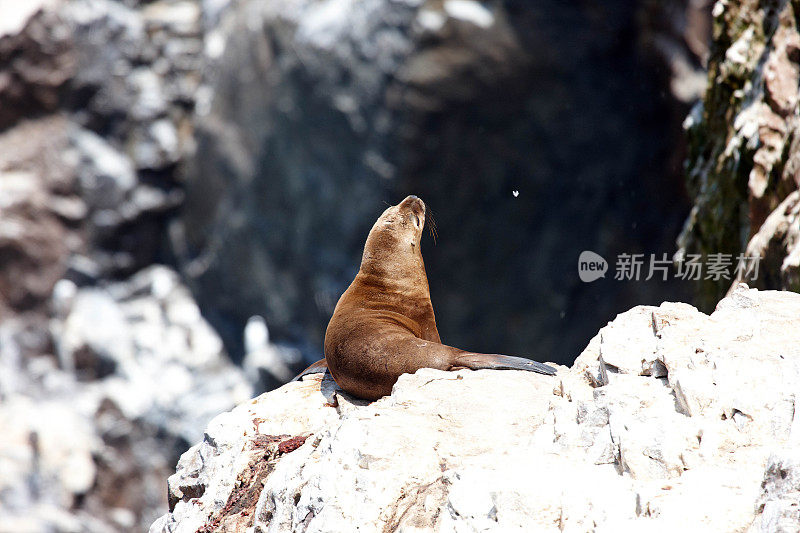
(591, 266)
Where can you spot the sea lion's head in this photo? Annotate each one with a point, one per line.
(393, 244)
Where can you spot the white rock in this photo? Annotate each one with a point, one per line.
(50, 440)
(161, 351)
(106, 175)
(431, 20)
(97, 323)
(17, 14)
(470, 11)
(683, 448)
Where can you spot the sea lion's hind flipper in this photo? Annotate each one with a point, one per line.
(477, 361)
(320, 367)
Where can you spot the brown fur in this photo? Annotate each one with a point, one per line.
(383, 324)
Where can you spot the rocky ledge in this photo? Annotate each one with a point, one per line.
(669, 419)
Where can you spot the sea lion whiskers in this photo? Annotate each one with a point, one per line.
(432, 225)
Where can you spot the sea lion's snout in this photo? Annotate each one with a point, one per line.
(415, 209)
(412, 200)
(414, 204)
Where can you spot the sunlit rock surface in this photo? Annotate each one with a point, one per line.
(670, 420)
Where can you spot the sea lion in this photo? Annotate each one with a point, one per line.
(383, 325)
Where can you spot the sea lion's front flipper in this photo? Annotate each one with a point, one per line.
(477, 361)
(319, 367)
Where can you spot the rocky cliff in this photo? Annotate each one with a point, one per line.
(744, 148)
(249, 147)
(669, 420)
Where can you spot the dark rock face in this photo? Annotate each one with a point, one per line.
(743, 158)
(318, 116)
(39, 209)
(122, 82)
(37, 60)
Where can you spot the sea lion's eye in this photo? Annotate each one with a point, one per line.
(414, 218)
